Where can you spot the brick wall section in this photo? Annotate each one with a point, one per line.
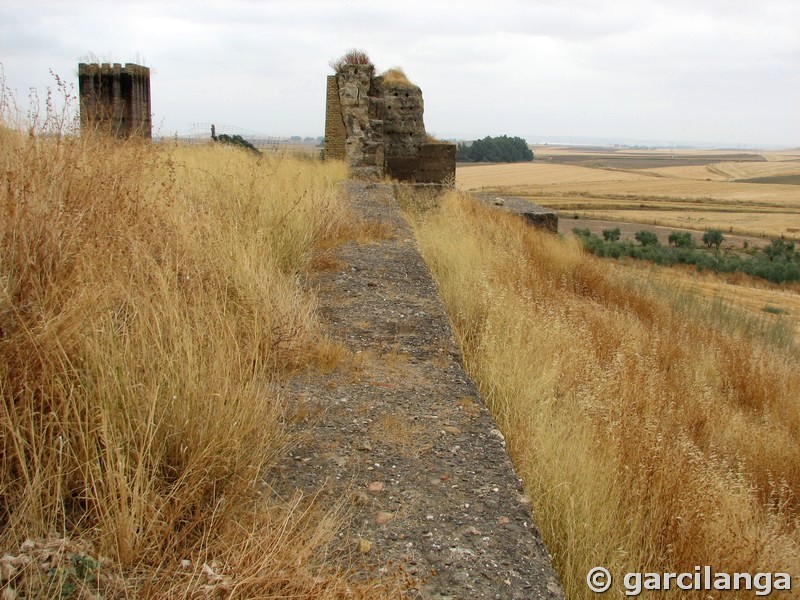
(335, 131)
(116, 98)
(436, 163)
(402, 168)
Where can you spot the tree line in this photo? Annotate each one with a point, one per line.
(495, 149)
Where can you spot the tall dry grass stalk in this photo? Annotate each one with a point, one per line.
(648, 439)
(149, 303)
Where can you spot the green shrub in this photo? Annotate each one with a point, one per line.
(780, 251)
(646, 238)
(774, 310)
(778, 263)
(238, 141)
(681, 239)
(611, 235)
(582, 232)
(713, 237)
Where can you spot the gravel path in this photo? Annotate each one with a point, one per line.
(403, 436)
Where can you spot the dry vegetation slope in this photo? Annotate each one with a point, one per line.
(148, 303)
(744, 302)
(649, 438)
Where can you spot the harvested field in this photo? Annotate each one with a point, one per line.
(747, 194)
(736, 170)
(779, 179)
(699, 172)
(537, 174)
(766, 172)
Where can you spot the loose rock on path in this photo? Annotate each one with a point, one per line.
(403, 436)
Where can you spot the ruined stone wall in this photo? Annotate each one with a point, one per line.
(383, 129)
(335, 131)
(361, 107)
(404, 126)
(115, 98)
(543, 220)
(538, 216)
(435, 163)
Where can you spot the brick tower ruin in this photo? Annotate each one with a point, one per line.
(115, 98)
(375, 124)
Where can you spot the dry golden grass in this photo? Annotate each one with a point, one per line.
(770, 306)
(149, 304)
(396, 77)
(649, 438)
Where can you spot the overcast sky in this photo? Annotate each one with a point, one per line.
(725, 71)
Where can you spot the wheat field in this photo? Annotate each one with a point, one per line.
(690, 196)
(728, 171)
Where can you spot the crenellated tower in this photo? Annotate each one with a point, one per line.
(115, 98)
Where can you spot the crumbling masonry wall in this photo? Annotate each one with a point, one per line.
(379, 129)
(361, 113)
(115, 98)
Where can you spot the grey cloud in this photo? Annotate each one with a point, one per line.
(643, 68)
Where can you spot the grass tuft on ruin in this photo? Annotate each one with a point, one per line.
(396, 78)
(351, 57)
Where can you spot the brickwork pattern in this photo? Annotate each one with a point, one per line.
(435, 163)
(335, 131)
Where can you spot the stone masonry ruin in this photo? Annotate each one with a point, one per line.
(115, 98)
(375, 124)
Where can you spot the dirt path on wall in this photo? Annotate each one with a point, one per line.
(403, 436)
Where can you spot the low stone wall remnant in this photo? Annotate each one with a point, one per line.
(538, 216)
